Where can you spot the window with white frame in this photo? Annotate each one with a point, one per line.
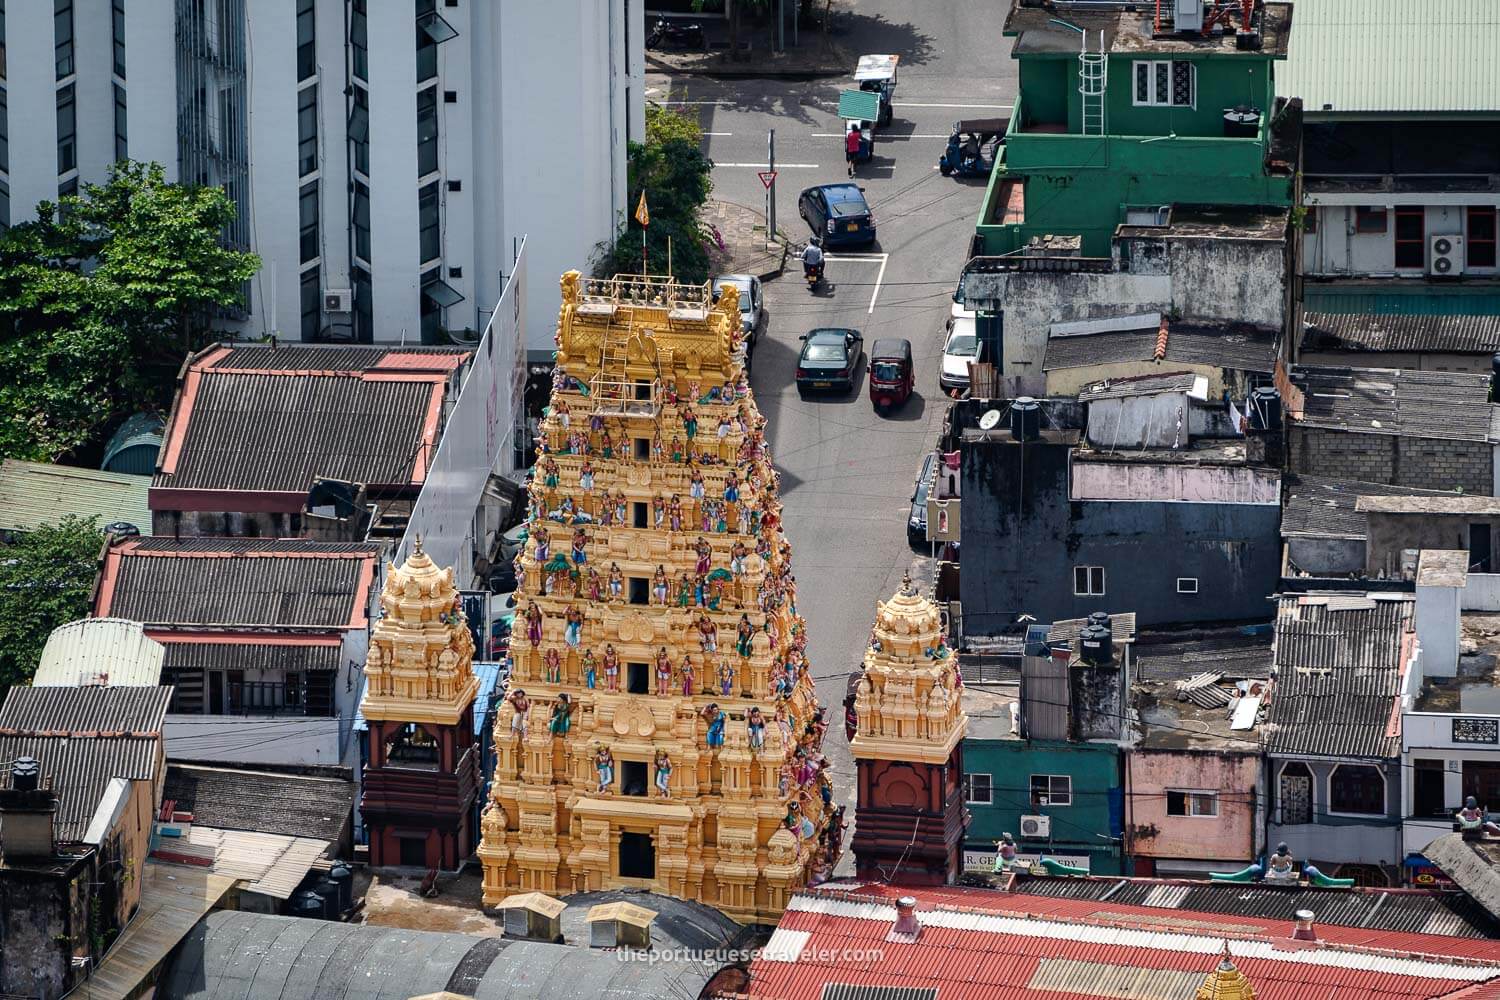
(1088, 581)
(978, 789)
(1187, 803)
(1187, 584)
(1165, 83)
(1051, 790)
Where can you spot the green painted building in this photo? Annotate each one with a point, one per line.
(1118, 117)
(1075, 786)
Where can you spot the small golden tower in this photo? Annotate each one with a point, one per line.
(660, 728)
(419, 703)
(908, 747)
(1226, 982)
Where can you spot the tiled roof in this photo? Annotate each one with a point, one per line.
(1139, 385)
(1234, 655)
(80, 769)
(262, 801)
(85, 710)
(1323, 507)
(978, 944)
(99, 651)
(1375, 332)
(1235, 346)
(273, 419)
(1406, 911)
(1379, 56)
(35, 493)
(1419, 404)
(1338, 662)
(238, 583)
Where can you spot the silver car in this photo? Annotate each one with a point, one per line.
(752, 304)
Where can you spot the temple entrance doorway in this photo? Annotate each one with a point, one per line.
(637, 856)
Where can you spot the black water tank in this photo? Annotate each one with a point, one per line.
(343, 876)
(1025, 419)
(308, 905)
(1242, 122)
(328, 891)
(1495, 378)
(1096, 643)
(25, 774)
(1265, 409)
(1099, 618)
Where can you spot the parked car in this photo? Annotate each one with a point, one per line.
(890, 373)
(839, 214)
(959, 348)
(752, 304)
(830, 358)
(916, 521)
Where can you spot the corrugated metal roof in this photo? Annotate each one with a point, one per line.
(1393, 56)
(1121, 625)
(1232, 346)
(1323, 507)
(318, 358)
(85, 710)
(268, 863)
(35, 493)
(109, 651)
(1377, 332)
(1142, 385)
(1407, 300)
(985, 945)
(234, 582)
(1450, 406)
(80, 768)
(252, 956)
(262, 801)
(1338, 667)
(300, 657)
(1445, 914)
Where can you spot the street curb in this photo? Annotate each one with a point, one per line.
(749, 72)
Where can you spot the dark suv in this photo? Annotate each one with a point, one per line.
(916, 521)
(839, 214)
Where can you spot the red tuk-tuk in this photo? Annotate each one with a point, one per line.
(890, 372)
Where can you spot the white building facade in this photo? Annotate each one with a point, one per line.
(385, 156)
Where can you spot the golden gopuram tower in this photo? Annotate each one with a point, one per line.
(908, 748)
(660, 728)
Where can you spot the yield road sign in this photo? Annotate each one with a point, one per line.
(767, 177)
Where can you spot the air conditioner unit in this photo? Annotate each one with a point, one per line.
(1445, 255)
(1188, 15)
(1036, 827)
(338, 300)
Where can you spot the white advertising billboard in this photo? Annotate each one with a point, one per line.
(477, 437)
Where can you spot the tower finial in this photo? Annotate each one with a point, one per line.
(417, 548)
(907, 590)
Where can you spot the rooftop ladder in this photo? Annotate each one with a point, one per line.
(1093, 68)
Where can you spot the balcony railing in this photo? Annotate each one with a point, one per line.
(621, 397)
(690, 301)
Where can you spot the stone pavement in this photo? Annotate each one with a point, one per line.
(741, 246)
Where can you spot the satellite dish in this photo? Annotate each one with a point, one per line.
(990, 420)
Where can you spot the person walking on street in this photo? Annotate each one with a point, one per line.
(852, 141)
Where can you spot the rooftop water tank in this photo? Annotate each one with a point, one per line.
(1025, 419)
(1096, 644)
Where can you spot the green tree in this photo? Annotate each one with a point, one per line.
(664, 125)
(100, 296)
(677, 179)
(46, 580)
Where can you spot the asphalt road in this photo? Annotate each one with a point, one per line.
(847, 473)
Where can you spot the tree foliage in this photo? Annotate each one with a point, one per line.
(100, 297)
(677, 179)
(664, 125)
(46, 580)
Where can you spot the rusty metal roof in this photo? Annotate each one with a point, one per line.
(1451, 406)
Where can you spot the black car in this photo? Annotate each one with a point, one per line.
(839, 214)
(829, 359)
(916, 521)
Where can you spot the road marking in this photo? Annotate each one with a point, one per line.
(991, 107)
(762, 165)
(718, 133)
(855, 258)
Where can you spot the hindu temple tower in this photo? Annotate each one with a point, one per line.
(908, 749)
(660, 728)
(422, 775)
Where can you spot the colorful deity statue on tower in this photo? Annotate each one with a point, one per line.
(659, 604)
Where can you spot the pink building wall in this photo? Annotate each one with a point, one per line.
(1229, 836)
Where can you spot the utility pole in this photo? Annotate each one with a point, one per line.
(771, 188)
